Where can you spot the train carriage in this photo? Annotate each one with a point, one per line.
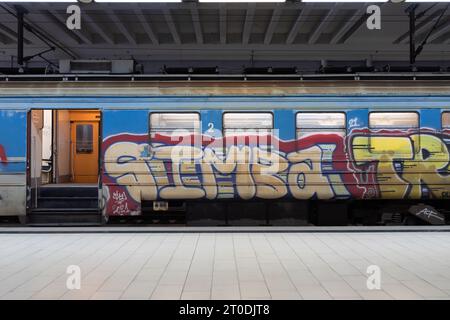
(217, 153)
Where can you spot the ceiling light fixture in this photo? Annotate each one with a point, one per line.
(236, 1)
(139, 1)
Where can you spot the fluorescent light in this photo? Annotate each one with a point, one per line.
(228, 1)
(136, 1)
(368, 1)
(38, 1)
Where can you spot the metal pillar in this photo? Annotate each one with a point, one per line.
(20, 14)
(412, 33)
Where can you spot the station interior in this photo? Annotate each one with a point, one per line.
(351, 99)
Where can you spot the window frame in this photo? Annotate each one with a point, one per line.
(297, 129)
(247, 112)
(442, 120)
(172, 112)
(79, 150)
(393, 128)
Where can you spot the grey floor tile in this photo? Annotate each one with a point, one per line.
(167, 292)
(313, 292)
(254, 289)
(194, 295)
(414, 265)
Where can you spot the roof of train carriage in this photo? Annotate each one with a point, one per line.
(222, 88)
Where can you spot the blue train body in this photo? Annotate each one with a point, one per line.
(137, 166)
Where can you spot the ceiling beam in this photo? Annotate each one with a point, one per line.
(197, 26)
(122, 28)
(362, 20)
(98, 29)
(11, 34)
(147, 27)
(223, 23)
(55, 37)
(4, 39)
(297, 25)
(322, 25)
(60, 21)
(441, 29)
(249, 17)
(424, 26)
(348, 25)
(171, 25)
(61, 31)
(273, 23)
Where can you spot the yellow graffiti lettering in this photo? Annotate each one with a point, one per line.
(123, 162)
(182, 163)
(431, 156)
(211, 162)
(305, 177)
(385, 150)
(245, 185)
(268, 183)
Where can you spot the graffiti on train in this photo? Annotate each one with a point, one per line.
(414, 166)
(316, 166)
(3, 158)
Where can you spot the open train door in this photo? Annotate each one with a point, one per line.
(63, 175)
(13, 162)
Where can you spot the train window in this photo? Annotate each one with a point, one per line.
(395, 120)
(314, 122)
(392, 120)
(248, 120)
(259, 125)
(85, 138)
(446, 120)
(178, 126)
(168, 122)
(245, 123)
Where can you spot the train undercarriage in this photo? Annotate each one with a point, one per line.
(74, 205)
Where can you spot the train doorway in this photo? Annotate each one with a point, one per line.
(63, 162)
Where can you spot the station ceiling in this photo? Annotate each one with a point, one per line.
(177, 33)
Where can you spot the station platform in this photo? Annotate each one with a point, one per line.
(227, 229)
(224, 263)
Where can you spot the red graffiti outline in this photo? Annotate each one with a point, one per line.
(3, 157)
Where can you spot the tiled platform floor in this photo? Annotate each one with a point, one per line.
(414, 265)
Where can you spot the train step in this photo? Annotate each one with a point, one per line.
(65, 217)
(53, 191)
(64, 211)
(67, 202)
